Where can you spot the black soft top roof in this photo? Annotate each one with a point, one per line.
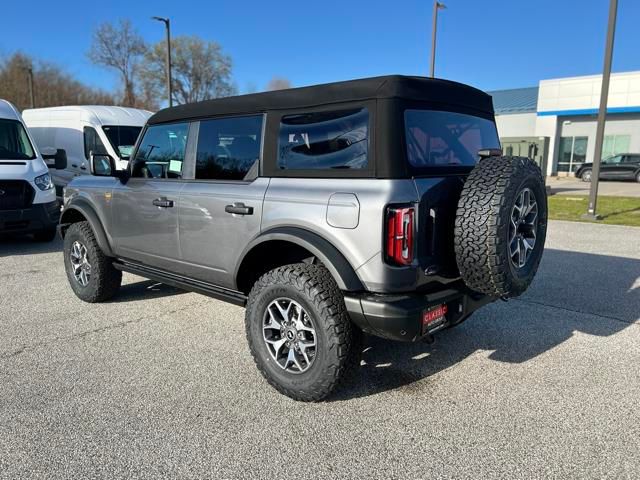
(392, 86)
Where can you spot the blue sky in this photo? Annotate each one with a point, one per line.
(488, 44)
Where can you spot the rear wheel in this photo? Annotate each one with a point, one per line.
(501, 225)
(90, 272)
(299, 332)
(586, 176)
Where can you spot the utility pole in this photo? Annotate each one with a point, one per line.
(602, 113)
(32, 96)
(167, 24)
(436, 6)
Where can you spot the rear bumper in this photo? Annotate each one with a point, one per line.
(400, 317)
(38, 217)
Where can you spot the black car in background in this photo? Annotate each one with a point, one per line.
(624, 166)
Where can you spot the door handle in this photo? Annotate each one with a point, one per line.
(82, 167)
(74, 165)
(163, 202)
(239, 208)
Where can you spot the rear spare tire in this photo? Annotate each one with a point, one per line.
(501, 225)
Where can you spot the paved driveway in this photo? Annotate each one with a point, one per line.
(573, 186)
(160, 382)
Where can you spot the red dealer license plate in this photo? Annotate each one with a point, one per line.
(434, 317)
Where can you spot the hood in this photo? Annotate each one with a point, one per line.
(21, 169)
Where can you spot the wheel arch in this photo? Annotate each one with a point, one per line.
(299, 241)
(80, 211)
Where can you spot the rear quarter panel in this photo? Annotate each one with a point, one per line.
(303, 203)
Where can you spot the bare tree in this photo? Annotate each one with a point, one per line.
(199, 70)
(119, 47)
(278, 83)
(52, 86)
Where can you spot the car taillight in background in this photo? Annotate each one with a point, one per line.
(400, 235)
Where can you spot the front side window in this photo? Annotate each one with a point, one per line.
(122, 139)
(228, 148)
(324, 140)
(161, 151)
(14, 142)
(92, 143)
(447, 139)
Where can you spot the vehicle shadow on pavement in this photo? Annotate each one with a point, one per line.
(144, 290)
(573, 292)
(26, 245)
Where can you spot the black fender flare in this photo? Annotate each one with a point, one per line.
(88, 212)
(339, 267)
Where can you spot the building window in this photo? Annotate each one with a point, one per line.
(615, 144)
(573, 153)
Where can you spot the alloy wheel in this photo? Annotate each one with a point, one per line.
(290, 335)
(80, 263)
(522, 230)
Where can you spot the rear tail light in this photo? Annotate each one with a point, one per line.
(400, 236)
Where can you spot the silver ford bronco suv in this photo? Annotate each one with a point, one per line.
(382, 205)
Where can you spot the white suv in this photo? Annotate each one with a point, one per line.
(27, 197)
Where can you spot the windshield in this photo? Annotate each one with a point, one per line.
(122, 139)
(14, 142)
(447, 139)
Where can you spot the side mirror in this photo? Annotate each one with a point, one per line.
(102, 165)
(55, 158)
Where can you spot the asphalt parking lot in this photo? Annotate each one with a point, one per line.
(160, 382)
(574, 186)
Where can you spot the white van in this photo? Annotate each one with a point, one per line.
(27, 197)
(83, 130)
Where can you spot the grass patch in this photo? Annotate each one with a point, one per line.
(614, 210)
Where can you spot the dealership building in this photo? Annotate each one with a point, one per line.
(555, 122)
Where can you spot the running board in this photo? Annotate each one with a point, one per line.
(185, 283)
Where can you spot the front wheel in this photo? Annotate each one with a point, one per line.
(90, 272)
(299, 332)
(586, 176)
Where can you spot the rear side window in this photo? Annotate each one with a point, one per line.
(228, 148)
(447, 139)
(14, 143)
(161, 151)
(92, 143)
(324, 140)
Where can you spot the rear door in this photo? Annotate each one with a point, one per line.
(221, 209)
(611, 168)
(630, 166)
(145, 208)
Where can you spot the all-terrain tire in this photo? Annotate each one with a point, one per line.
(338, 340)
(104, 280)
(483, 225)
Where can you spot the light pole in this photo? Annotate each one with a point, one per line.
(436, 6)
(602, 113)
(167, 25)
(32, 96)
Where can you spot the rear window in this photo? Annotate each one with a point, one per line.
(324, 140)
(447, 139)
(14, 142)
